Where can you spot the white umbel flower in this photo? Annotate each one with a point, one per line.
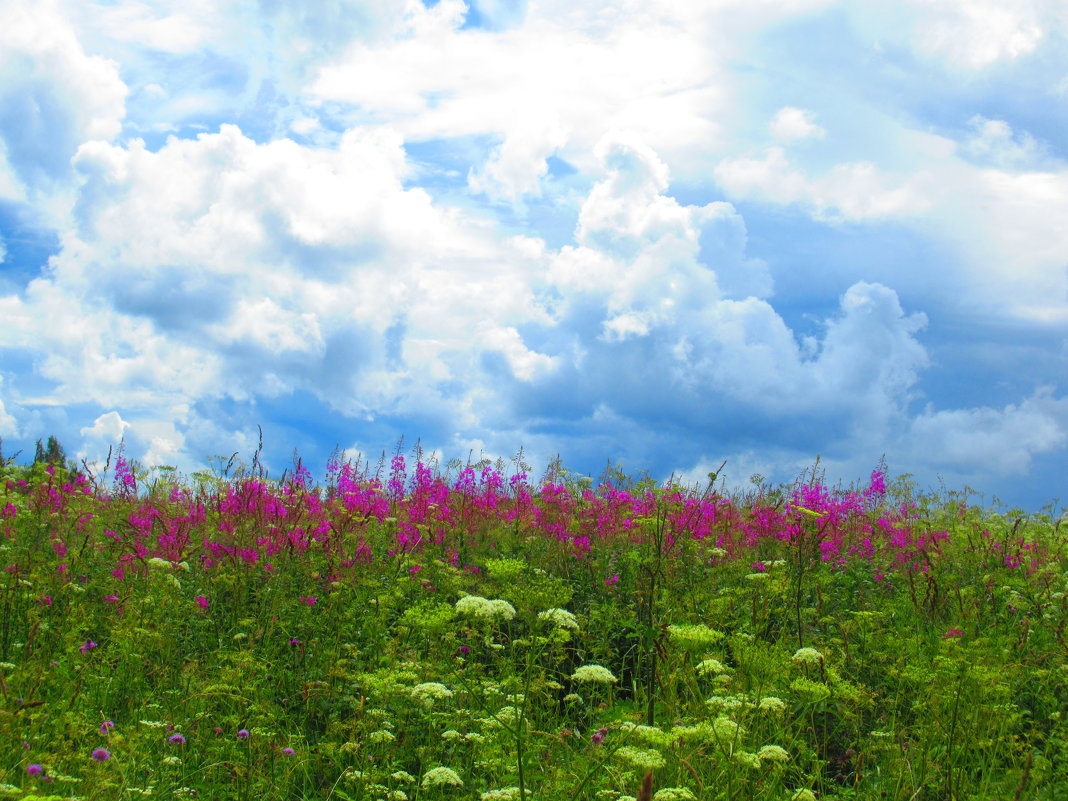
(439, 777)
(594, 673)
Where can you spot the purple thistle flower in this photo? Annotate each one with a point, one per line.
(101, 754)
(176, 738)
(34, 770)
(288, 751)
(106, 726)
(87, 646)
(243, 734)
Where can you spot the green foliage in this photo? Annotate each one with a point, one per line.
(318, 670)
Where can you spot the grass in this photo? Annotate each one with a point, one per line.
(474, 635)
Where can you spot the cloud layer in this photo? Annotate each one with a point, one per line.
(572, 228)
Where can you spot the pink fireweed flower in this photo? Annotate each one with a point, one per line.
(87, 646)
(612, 581)
(101, 754)
(111, 599)
(45, 600)
(9, 510)
(202, 601)
(310, 600)
(954, 632)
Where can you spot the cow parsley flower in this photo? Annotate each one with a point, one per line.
(771, 704)
(711, 666)
(560, 618)
(594, 673)
(674, 794)
(641, 758)
(807, 656)
(430, 689)
(773, 753)
(477, 606)
(441, 776)
(694, 636)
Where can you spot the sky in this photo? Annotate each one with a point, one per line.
(650, 233)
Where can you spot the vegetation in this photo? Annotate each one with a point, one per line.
(470, 634)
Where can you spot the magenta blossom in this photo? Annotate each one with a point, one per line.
(310, 600)
(288, 751)
(101, 754)
(34, 770)
(106, 726)
(176, 738)
(202, 601)
(87, 646)
(243, 734)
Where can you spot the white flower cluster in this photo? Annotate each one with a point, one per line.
(438, 777)
(771, 704)
(477, 606)
(642, 758)
(503, 794)
(746, 758)
(430, 691)
(560, 618)
(713, 666)
(808, 656)
(594, 673)
(650, 735)
(694, 636)
(774, 753)
(674, 794)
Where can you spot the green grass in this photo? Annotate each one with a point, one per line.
(385, 639)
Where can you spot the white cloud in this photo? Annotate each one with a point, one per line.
(53, 97)
(851, 191)
(8, 425)
(517, 166)
(560, 81)
(977, 33)
(994, 143)
(792, 123)
(990, 441)
(108, 427)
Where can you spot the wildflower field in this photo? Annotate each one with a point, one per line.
(410, 632)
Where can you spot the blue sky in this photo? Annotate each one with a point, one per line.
(654, 233)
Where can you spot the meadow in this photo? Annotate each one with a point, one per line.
(403, 631)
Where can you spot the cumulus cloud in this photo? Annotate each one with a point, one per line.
(290, 260)
(8, 424)
(53, 97)
(792, 123)
(994, 143)
(108, 427)
(850, 191)
(999, 442)
(977, 33)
